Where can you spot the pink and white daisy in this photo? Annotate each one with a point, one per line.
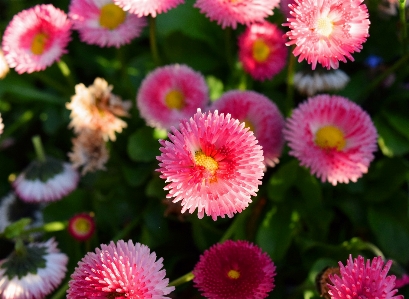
(327, 31)
(231, 13)
(102, 23)
(17, 282)
(171, 93)
(363, 280)
(234, 269)
(121, 270)
(35, 38)
(332, 136)
(4, 67)
(260, 115)
(262, 50)
(147, 7)
(81, 226)
(313, 82)
(212, 163)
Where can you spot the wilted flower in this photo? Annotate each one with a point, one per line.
(313, 82)
(81, 226)
(147, 7)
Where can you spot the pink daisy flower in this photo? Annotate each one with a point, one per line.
(171, 93)
(262, 50)
(326, 31)
(332, 136)
(260, 115)
(234, 269)
(101, 22)
(403, 281)
(363, 280)
(35, 38)
(285, 8)
(121, 270)
(213, 164)
(81, 226)
(147, 7)
(230, 13)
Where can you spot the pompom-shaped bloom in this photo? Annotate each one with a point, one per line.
(147, 7)
(34, 273)
(262, 50)
(121, 270)
(81, 226)
(332, 136)
(171, 93)
(103, 23)
(234, 269)
(327, 31)
(213, 164)
(260, 115)
(35, 38)
(363, 280)
(231, 13)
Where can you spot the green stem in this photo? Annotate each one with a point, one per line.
(127, 229)
(402, 14)
(289, 104)
(38, 147)
(66, 72)
(238, 219)
(21, 121)
(47, 228)
(152, 41)
(61, 293)
(181, 280)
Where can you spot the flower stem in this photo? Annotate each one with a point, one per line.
(402, 15)
(238, 219)
(61, 293)
(66, 72)
(289, 104)
(181, 280)
(127, 229)
(152, 41)
(47, 228)
(38, 147)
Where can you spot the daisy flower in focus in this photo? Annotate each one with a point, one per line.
(360, 279)
(212, 163)
(231, 13)
(327, 31)
(332, 136)
(234, 269)
(119, 270)
(35, 38)
(262, 50)
(46, 272)
(103, 23)
(171, 93)
(4, 67)
(260, 115)
(147, 7)
(81, 226)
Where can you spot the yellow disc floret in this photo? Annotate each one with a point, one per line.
(249, 124)
(38, 43)
(111, 16)
(324, 26)
(174, 99)
(82, 226)
(233, 274)
(207, 162)
(261, 50)
(330, 137)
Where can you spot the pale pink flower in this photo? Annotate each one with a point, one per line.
(35, 38)
(4, 67)
(231, 13)
(259, 114)
(234, 269)
(101, 22)
(147, 7)
(119, 270)
(363, 280)
(213, 164)
(262, 50)
(171, 93)
(332, 136)
(327, 31)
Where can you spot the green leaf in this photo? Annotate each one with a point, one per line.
(137, 176)
(16, 228)
(398, 121)
(142, 147)
(391, 142)
(282, 180)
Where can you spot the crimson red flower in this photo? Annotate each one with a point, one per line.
(81, 226)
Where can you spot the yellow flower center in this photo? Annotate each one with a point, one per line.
(324, 26)
(330, 137)
(111, 16)
(261, 50)
(38, 43)
(174, 99)
(82, 226)
(207, 162)
(233, 274)
(249, 124)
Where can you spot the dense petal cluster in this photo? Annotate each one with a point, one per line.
(332, 136)
(211, 163)
(327, 31)
(313, 82)
(147, 7)
(234, 269)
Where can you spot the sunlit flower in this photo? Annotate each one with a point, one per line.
(101, 22)
(262, 50)
(35, 38)
(4, 67)
(213, 164)
(81, 226)
(332, 136)
(171, 93)
(147, 7)
(260, 115)
(121, 270)
(96, 108)
(327, 31)
(234, 269)
(1, 125)
(231, 13)
(32, 273)
(363, 280)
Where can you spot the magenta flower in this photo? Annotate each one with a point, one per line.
(259, 114)
(147, 7)
(121, 270)
(326, 31)
(234, 269)
(360, 280)
(332, 136)
(35, 38)
(81, 226)
(213, 164)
